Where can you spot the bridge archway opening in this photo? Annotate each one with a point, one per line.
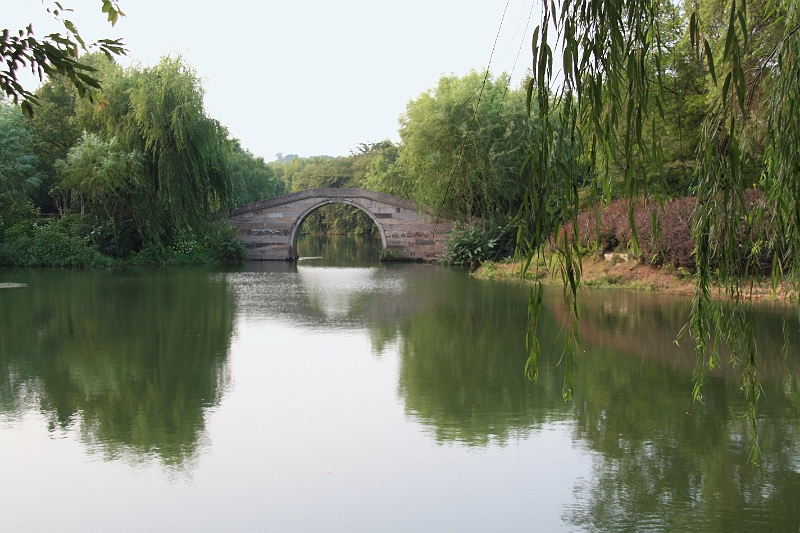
(335, 219)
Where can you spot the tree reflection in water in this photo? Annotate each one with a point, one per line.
(460, 370)
(660, 460)
(130, 360)
(663, 462)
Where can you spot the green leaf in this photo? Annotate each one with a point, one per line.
(113, 11)
(710, 59)
(27, 108)
(529, 96)
(741, 86)
(71, 27)
(726, 86)
(743, 25)
(731, 32)
(567, 61)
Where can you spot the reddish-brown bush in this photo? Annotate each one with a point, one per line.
(609, 230)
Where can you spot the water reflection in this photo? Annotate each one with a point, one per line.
(344, 293)
(338, 250)
(665, 463)
(130, 360)
(319, 298)
(460, 364)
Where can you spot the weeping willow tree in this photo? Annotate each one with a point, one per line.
(187, 150)
(601, 71)
(158, 114)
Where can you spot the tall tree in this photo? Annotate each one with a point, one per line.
(55, 130)
(103, 173)
(186, 148)
(463, 145)
(252, 179)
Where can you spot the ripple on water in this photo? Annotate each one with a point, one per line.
(13, 285)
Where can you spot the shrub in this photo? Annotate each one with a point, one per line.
(664, 235)
(64, 243)
(474, 246)
(224, 247)
(84, 241)
(118, 239)
(218, 245)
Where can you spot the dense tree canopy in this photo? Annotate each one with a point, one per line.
(252, 179)
(18, 166)
(464, 144)
(142, 162)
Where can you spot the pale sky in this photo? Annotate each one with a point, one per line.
(308, 77)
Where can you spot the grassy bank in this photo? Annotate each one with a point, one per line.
(615, 271)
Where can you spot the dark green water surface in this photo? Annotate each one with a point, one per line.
(340, 394)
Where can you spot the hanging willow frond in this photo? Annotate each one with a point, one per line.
(616, 59)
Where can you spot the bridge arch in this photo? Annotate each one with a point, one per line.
(294, 233)
(269, 228)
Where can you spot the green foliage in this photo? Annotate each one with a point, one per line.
(104, 173)
(66, 243)
(631, 66)
(55, 54)
(148, 173)
(186, 150)
(251, 178)
(223, 246)
(218, 245)
(473, 246)
(19, 174)
(54, 130)
(323, 172)
(385, 175)
(463, 146)
(339, 219)
(107, 181)
(80, 241)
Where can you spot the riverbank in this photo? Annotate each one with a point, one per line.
(618, 271)
(82, 241)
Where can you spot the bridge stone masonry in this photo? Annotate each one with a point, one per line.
(269, 228)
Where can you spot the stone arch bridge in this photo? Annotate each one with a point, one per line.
(269, 228)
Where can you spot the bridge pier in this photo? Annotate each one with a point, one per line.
(269, 228)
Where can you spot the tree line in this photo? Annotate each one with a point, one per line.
(147, 168)
(136, 173)
(462, 147)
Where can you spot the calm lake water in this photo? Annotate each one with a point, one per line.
(340, 394)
